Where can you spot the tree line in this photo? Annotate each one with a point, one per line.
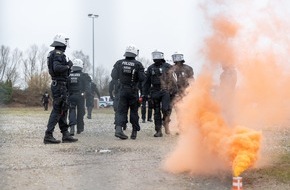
(24, 75)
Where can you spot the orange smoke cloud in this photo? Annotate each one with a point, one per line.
(207, 144)
(221, 126)
(219, 50)
(244, 146)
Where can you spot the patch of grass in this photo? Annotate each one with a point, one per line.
(285, 159)
(279, 172)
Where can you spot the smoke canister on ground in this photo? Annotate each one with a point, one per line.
(237, 183)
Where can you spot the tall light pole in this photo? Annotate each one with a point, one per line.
(93, 19)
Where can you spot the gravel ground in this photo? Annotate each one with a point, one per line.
(26, 163)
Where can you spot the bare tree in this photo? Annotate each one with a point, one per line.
(43, 74)
(145, 61)
(12, 73)
(84, 58)
(105, 90)
(4, 60)
(42, 57)
(102, 79)
(35, 68)
(30, 67)
(9, 64)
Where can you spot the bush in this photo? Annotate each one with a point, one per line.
(27, 97)
(6, 92)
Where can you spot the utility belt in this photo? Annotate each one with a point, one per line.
(75, 92)
(128, 86)
(158, 89)
(56, 82)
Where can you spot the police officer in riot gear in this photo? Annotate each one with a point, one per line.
(184, 73)
(157, 87)
(129, 72)
(59, 69)
(90, 97)
(45, 100)
(78, 86)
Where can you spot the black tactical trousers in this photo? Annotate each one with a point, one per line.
(128, 98)
(45, 105)
(59, 110)
(90, 104)
(76, 111)
(161, 104)
(115, 106)
(149, 109)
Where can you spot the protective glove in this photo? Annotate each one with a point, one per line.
(112, 98)
(143, 98)
(140, 100)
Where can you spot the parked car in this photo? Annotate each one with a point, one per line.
(103, 104)
(107, 100)
(110, 103)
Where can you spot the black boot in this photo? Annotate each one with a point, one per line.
(49, 139)
(66, 138)
(72, 130)
(158, 132)
(119, 133)
(80, 129)
(125, 127)
(133, 134)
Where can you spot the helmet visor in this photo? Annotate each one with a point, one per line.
(177, 57)
(157, 55)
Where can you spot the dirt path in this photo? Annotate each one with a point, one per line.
(26, 163)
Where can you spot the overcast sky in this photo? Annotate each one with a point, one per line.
(167, 25)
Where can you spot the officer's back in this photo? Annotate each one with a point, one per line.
(77, 79)
(129, 72)
(77, 87)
